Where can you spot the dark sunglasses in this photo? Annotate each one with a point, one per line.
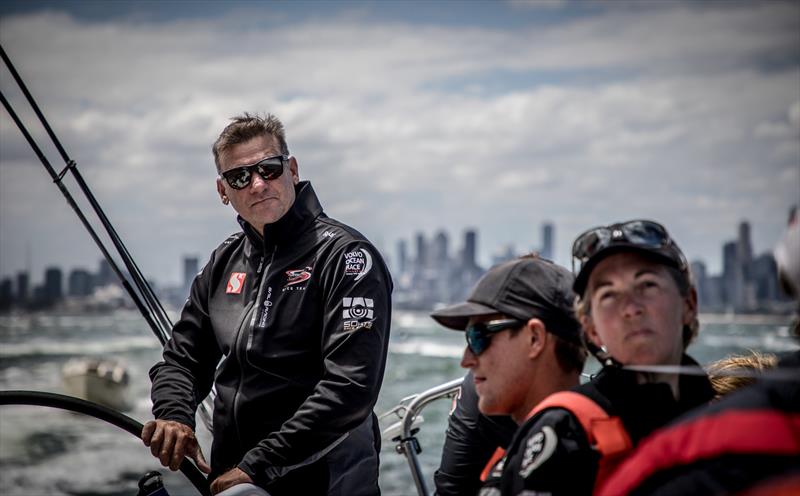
(645, 233)
(270, 168)
(479, 335)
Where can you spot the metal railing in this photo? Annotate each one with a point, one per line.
(408, 411)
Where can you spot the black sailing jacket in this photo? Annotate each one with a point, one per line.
(299, 325)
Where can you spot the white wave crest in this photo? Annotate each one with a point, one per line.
(49, 348)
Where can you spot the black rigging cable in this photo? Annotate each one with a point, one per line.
(155, 309)
(56, 179)
(145, 298)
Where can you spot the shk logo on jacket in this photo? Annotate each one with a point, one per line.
(235, 283)
(296, 276)
(357, 313)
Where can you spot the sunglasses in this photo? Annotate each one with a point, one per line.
(479, 335)
(270, 168)
(645, 233)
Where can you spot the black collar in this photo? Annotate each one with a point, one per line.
(293, 224)
(645, 407)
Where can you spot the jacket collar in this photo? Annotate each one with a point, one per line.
(645, 407)
(304, 210)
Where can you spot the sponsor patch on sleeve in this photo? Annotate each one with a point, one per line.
(357, 313)
(357, 263)
(538, 449)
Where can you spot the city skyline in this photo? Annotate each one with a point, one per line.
(483, 257)
(435, 271)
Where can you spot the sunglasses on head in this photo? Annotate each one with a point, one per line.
(269, 168)
(645, 233)
(479, 334)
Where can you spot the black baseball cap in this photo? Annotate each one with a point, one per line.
(525, 288)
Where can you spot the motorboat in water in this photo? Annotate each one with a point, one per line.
(99, 380)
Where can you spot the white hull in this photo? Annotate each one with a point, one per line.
(100, 381)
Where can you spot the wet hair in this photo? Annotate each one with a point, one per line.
(245, 127)
(722, 372)
(683, 280)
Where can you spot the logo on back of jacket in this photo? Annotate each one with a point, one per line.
(296, 277)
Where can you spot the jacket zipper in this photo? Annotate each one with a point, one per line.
(257, 309)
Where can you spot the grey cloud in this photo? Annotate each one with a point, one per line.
(672, 132)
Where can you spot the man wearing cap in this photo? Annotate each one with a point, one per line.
(638, 309)
(523, 340)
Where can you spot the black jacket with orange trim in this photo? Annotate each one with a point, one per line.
(550, 453)
(292, 328)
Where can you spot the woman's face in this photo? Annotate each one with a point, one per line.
(637, 312)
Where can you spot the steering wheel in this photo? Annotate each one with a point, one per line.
(60, 401)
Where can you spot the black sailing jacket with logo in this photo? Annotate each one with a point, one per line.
(299, 325)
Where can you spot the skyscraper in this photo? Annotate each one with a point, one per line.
(23, 289)
(547, 241)
(440, 247)
(470, 248)
(422, 251)
(190, 270)
(79, 283)
(744, 249)
(402, 256)
(105, 275)
(53, 285)
(729, 277)
(6, 293)
(744, 294)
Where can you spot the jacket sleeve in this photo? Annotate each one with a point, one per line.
(356, 292)
(470, 441)
(185, 376)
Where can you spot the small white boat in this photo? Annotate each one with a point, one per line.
(102, 381)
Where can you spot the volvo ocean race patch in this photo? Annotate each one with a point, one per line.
(357, 313)
(539, 448)
(357, 263)
(235, 283)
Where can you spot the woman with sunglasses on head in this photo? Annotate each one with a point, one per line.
(638, 309)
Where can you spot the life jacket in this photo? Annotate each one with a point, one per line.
(605, 433)
(729, 433)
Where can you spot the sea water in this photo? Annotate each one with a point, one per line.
(50, 452)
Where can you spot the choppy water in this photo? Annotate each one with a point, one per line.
(45, 451)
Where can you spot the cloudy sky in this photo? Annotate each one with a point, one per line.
(408, 116)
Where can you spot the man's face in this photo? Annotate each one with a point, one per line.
(637, 311)
(500, 373)
(261, 202)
